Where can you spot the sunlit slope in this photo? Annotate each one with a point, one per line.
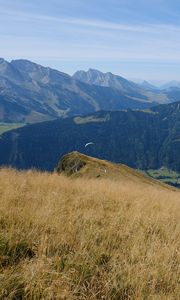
(76, 164)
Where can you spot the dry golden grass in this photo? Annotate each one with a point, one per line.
(64, 238)
(78, 165)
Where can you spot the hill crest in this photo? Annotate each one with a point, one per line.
(77, 165)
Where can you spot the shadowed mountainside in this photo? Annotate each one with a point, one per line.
(146, 139)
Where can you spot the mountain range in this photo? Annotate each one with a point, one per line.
(170, 85)
(147, 139)
(95, 77)
(32, 93)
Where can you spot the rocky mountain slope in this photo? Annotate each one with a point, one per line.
(95, 77)
(31, 93)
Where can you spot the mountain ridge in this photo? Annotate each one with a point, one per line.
(31, 93)
(108, 79)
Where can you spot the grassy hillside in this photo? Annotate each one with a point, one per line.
(76, 164)
(77, 238)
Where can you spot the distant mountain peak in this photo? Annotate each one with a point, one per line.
(96, 71)
(171, 84)
(25, 64)
(22, 60)
(2, 60)
(148, 86)
(93, 70)
(108, 79)
(30, 92)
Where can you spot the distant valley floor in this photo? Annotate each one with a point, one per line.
(165, 175)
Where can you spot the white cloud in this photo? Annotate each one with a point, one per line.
(93, 23)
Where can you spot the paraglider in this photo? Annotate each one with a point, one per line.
(87, 144)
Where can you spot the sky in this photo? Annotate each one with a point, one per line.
(137, 39)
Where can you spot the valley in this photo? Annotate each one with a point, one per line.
(165, 175)
(148, 139)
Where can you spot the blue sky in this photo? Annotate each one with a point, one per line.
(132, 38)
